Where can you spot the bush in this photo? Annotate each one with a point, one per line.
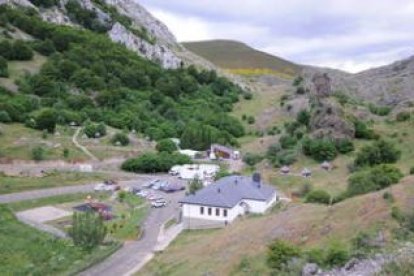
(247, 95)
(387, 196)
(45, 48)
(21, 51)
(252, 159)
(363, 132)
(4, 117)
(155, 162)
(251, 120)
(287, 141)
(280, 253)
(303, 117)
(344, 146)
(88, 230)
(94, 130)
(403, 116)
(319, 149)
(66, 153)
(380, 152)
(412, 170)
(336, 255)
(318, 196)
(4, 68)
(120, 138)
(38, 154)
(373, 179)
(195, 185)
(166, 145)
(379, 110)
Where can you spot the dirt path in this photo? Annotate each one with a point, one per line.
(82, 148)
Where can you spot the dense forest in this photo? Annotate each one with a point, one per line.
(87, 77)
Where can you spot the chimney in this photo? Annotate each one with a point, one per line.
(257, 179)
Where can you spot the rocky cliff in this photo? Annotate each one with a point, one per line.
(387, 85)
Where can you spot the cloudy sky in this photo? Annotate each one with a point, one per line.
(351, 35)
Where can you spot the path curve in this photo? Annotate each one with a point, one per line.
(82, 148)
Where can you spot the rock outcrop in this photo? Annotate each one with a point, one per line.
(157, 53)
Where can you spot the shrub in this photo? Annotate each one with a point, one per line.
(373, 179)
(4, 69)
(387, 196)
(318, 196)
(252, 159)
(380, 152)
(363, 132)
(66, 153)
(412, 170)
(120, 138)
(379, 110)
(155, 162)
(88, 230)
(38, 154)
(4, 117)
(287, 141)
(344, 146)
(166, 145)
(336, 255)
(280, 253)
(247, 95)
(303, 117)
(319, 149)
(45, 47)
(21, 51)
(251, 120)
(94, 130)
(403, 116)
(397, 214)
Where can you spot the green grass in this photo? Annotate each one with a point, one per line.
(26, 251)
(229, 54)
(10, 184)
(129, 216)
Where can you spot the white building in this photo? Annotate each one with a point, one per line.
(223, 201)
(192, 171)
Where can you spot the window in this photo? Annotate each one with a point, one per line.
(225, 212)
(217, 212)
(202, 210)
(209, 211)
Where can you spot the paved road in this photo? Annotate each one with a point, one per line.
(133, 255)
(8, 198)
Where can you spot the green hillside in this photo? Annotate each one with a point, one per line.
(239, 58)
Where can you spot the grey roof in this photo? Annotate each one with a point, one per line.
(229, 191)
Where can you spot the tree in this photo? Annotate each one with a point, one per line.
(45, 47)
(46, 119)
(88, 230)
(4, 117)
(4, 69)
(252, 159)
(380, 152)
(319, 149)
(280, 253)
(65, 153)
(195, 185)
(287, 141)
(166, 145)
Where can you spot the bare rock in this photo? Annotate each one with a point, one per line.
(322, 85)
(310, 269)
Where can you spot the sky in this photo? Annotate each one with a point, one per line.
(351, 35)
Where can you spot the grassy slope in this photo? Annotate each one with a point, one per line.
(18, 141)
(24, 250)
(219, 251)
(234, 55)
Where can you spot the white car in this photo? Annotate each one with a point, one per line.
(102, 187)
(142, 193)
(158, 203)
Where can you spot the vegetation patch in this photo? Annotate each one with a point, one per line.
(155, 162)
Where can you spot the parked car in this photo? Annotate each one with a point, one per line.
(109, 188)
(150, 184)
(158, 203)
(142, 193)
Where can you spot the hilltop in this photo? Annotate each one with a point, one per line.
(237, 57)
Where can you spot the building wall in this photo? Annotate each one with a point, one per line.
(194, 211)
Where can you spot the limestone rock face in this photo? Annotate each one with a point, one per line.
(23, 3)
(322, 85)
(157, 53)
